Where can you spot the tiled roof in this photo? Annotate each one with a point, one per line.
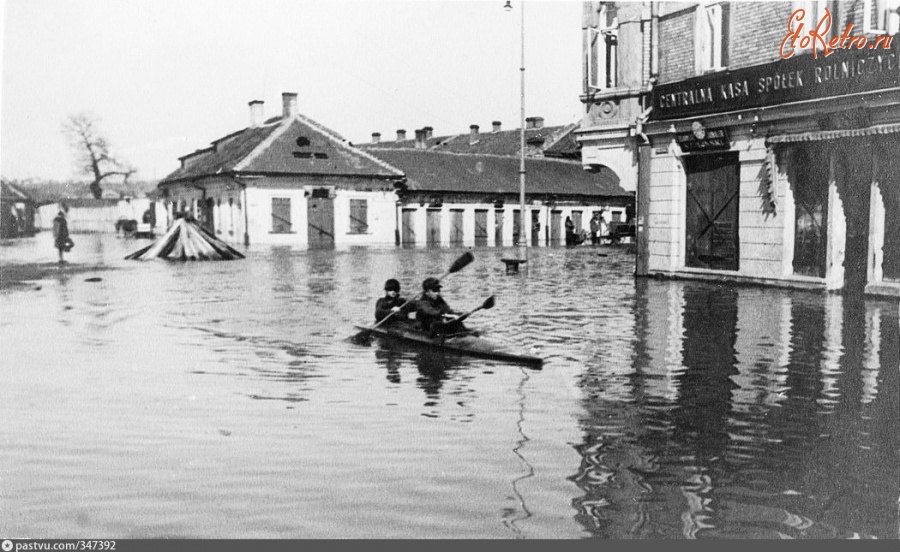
(564, 144)
(12, 193)
(504, 142)
(295, 146)
(453, 172)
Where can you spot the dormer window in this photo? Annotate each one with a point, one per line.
(602, 51)
(711, 33)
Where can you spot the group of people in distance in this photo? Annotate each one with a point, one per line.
(599, 230)
(434, 315)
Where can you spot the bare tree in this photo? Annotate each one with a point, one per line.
(93, 157)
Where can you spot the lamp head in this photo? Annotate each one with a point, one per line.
(508, 5)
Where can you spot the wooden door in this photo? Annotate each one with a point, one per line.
(535, 228)
(456, 226)
(209, 219)
(320, 222)
(433, 227)
(517, 226)
(481, 231)
(555, 227)
(711, 229)
(408, 231)
(498, 227)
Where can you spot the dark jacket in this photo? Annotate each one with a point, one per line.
(430, 313)
(61, 232)
(384, 305)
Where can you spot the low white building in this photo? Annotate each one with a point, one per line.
(287, 180)
(464, 189)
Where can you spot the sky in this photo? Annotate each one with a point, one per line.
(167, 77)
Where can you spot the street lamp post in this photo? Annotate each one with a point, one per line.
(523, 236)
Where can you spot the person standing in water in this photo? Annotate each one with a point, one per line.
(61, 238)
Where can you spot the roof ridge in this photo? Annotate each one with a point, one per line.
(263, 145)
(493, 155)
(334, 136)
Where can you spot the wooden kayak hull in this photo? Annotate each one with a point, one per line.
(468, 345)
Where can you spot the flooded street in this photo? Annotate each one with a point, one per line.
(225, 400)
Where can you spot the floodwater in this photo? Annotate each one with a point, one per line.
(224, 400)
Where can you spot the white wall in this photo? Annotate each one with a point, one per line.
(420, 220)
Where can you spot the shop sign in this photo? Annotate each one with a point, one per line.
(789, 80)
(701, 138)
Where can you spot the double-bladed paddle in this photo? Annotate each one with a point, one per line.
(364, 337)
(488, 304)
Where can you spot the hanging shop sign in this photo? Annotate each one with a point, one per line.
(701, 138)
(789, 80)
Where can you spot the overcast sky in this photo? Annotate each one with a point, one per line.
(167, 77)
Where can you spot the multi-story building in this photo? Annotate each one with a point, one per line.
(767, 150)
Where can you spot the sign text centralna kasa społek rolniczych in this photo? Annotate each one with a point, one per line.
(809, 76)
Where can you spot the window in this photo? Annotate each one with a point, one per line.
(616, 216)
(359, 216)
(882, 17)
(603, 39)
(711, 37)
(281, 215)
(813, 12)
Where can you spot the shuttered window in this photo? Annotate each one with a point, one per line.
(711, 37)
(603, 38)
(281, 215)
(359, 216)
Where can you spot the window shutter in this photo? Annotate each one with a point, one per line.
(281, 214)
(359, 216)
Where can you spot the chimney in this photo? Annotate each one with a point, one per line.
(473, 134)
(420, 138)
(376, 137)
(257, 117)
(529, 122)
(538, 122)
(401, 135)
(496, 126)
(428, 131)
(289, 104)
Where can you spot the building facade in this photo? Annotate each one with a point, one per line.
(762, 159)
(287, 180)
(464, 189)
(17, 212)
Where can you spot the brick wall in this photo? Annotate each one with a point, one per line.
(757, 29)
(676, 46)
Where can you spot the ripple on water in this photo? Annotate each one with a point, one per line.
(225, 400)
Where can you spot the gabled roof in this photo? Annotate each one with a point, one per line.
(430, 170)
(12, 193)
(504, 142)
(293, 146)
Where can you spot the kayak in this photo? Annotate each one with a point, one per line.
(465, 344)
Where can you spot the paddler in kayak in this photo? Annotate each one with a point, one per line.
(432, 311)
(392, 303)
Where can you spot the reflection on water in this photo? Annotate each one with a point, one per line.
(225, 400)
(748, 413)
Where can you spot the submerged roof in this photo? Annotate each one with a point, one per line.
(295, 145)
(187, 241)
(429, 170)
